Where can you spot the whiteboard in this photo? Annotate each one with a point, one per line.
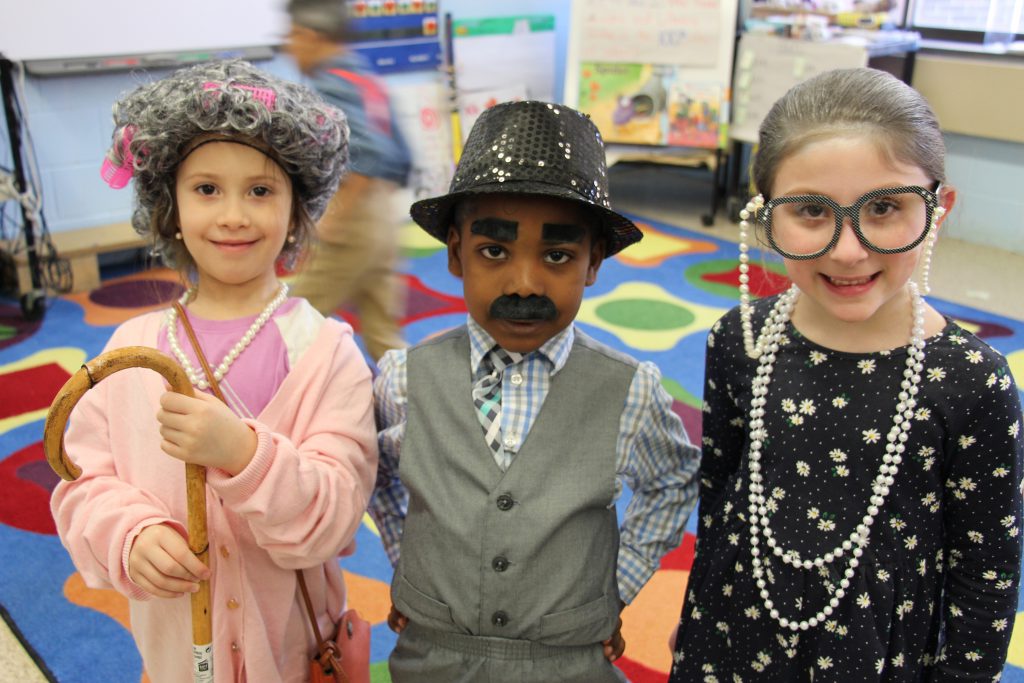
(767, 66)
(650, 31)
(58, 29)
(675, 55)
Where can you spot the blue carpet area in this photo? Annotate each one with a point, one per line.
(655, 301)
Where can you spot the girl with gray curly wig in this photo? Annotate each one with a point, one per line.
(231, 168)
(156, 124)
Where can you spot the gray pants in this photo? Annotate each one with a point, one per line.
(425, 655)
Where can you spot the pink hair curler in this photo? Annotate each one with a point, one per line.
(117, 176)
(265, 95)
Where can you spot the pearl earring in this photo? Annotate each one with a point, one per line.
(291, 239)
(753, 350)
(926, 263)
(177, 235)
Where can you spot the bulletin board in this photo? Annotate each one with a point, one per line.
(653, 72)
(396, 36)
(767, 66)
(526, 44)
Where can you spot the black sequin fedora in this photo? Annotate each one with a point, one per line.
(532, 148)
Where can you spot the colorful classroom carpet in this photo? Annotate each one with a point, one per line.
(655, 301)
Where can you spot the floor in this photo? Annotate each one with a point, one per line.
(15, 664)
(963, 273)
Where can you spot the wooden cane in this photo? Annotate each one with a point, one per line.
(92, 372)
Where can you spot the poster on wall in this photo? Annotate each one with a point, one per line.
(652, 104)
(653, 72)
(526, 69)
(396, 35)
(475, 102)
(422, 113)
(697, 114)
(527, 48)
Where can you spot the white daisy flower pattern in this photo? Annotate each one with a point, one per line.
(828, 418)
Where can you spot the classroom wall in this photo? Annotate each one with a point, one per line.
(69, 123)
(988, 175)
(69, 120)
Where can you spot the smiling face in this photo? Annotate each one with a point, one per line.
(524, 263)
(850, 283)
(234, 207)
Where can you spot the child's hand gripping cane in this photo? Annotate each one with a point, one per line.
(195, 475)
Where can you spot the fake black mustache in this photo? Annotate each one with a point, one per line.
(533, 307)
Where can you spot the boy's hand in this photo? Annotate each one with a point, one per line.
(397, 621)
(161, 563)
(616, 645)
(204, 431)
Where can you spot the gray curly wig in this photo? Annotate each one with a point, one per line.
(155, 124)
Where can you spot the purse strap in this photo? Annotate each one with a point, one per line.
(323, 646)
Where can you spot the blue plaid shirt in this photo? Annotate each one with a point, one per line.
(655, 458)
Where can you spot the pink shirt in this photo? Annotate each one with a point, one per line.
(297, 505)
(257, 373)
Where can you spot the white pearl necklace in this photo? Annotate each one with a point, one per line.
(199, 379)
(764, 350)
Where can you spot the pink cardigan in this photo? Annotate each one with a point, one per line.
(296, 506)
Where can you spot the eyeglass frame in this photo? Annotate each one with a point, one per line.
(852, 211)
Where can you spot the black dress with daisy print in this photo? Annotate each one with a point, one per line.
(935, 594)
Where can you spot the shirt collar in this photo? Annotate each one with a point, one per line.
(555, 350)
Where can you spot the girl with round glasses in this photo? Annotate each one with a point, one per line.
(860, 505)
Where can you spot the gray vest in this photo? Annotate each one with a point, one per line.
(529, 553)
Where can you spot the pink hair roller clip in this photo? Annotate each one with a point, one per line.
(265, 95)
(117, 176)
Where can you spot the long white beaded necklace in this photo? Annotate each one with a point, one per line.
(199, 379)
(764, 350)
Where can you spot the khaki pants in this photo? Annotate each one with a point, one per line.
(354, 262)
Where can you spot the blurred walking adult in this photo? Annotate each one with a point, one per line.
(355, 259)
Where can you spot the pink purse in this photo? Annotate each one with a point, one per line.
(345, 656)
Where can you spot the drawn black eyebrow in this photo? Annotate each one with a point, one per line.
(496, 229)
(563, 232)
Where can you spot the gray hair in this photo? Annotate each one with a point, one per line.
(847, 101)
(288, 122)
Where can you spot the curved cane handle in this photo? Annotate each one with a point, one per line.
(99, 368)
(94, 371)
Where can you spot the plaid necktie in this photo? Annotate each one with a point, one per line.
(487, 396)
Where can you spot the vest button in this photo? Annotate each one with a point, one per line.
(499, 564)
(499, 618)
(505, 502)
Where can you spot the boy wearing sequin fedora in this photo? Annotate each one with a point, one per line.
(516, 432)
